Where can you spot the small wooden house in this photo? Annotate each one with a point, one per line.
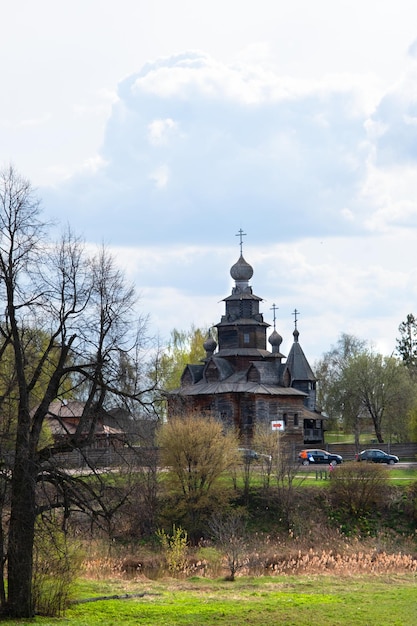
(63, 420)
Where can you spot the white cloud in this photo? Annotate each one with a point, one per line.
(285, 128)
(39, 121)
(347, 214)
(219, 135)
(160, 176)
(339, 285)
(159, 131)
(94, 164)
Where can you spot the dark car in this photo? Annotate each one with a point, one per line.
(249, 455)
(311, 457)
(378, 456)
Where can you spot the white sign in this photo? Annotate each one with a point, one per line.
(278, 425)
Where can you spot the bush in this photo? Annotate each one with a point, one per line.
(196, 452)
(357, 492)
(175, 548)
(56, 564)
(358, 487)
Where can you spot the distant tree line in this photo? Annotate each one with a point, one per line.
(359, 387)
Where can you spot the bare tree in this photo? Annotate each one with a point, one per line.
(229, 531)
(84, 311)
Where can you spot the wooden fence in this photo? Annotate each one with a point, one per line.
(404, 451)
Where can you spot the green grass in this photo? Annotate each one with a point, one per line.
(316, 475)
(402, 476)
(338, 437)
(324, 600)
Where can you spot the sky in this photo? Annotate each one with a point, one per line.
(163, 128)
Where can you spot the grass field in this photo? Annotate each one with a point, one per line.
(326, 600)
(338, 437)
(395, 475)
(329, 580)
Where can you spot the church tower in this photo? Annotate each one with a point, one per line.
(242, 382)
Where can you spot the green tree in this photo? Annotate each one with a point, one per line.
(386, 392)
(336, 396)
(81, 313)
(196, 451)
(183, 347)
(358, 384)
(407, 343)
(413, 422)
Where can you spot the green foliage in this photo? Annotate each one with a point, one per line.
(407, 343)
(196, 452)
(386, 392)
(329, 370)
(184, 347)
(359, 386)
(36, 346)
(175, 548)
(412, 416)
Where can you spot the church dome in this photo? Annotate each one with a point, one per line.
(275, 339)
(241, 271)
(210, 344)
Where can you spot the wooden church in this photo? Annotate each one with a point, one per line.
(245, 384)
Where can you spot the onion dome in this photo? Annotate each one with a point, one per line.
(296, 334)
(241, 271)
(209, 345)
(275, 340)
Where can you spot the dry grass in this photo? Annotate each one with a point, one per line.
(342, 564)
(267, 557)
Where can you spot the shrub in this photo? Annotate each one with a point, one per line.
(175, 548)
(358, 487)
(196, 452)
(357, 494)
(56, 564)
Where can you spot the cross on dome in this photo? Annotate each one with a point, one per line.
(296, 332)
(240, 234)
(274, 309)
(295, 313)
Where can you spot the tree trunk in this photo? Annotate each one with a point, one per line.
(357, 434)
(3, 560)
(377, 421)
(378, 432)
(21, 537)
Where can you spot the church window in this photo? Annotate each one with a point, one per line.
(246, 338)
(245, 308)
(295, 419)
